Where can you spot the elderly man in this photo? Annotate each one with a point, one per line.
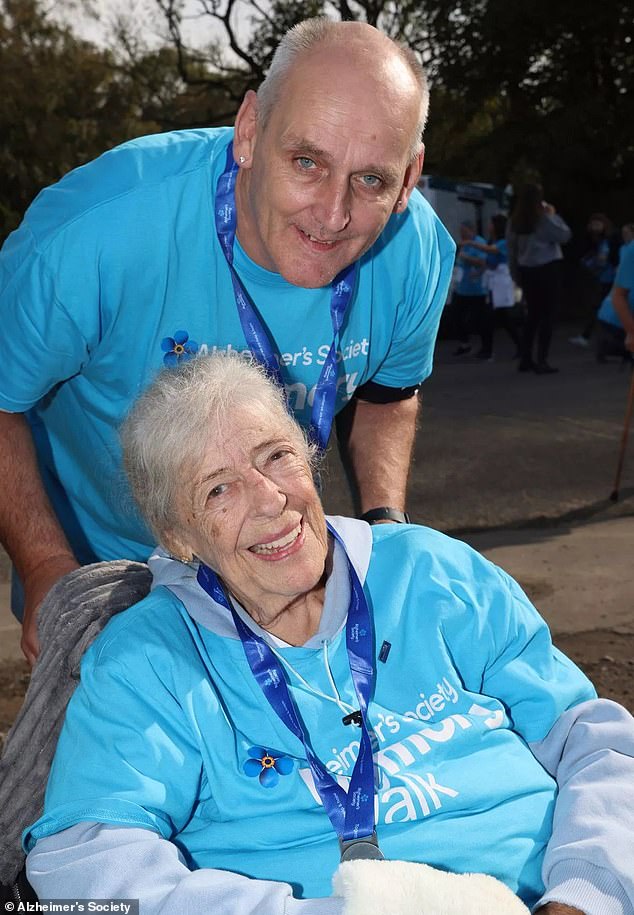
(295, 237)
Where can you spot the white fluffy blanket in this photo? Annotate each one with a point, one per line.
(402, 888)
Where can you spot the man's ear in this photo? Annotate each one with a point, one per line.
(412, 174)
(245, 130)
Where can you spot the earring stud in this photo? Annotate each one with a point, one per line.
(242, 159)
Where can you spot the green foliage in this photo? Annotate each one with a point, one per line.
(60, 105)
(267, 31)
(562, 74)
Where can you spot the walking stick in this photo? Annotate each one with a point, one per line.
(614, 495)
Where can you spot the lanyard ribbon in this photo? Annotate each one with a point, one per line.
(351, 813)
(255, 332)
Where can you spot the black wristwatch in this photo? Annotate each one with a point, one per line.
(385, 513)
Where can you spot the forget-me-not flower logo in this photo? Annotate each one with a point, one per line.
(267, 765)
(178, 347)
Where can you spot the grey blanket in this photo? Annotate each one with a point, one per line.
(72, 615)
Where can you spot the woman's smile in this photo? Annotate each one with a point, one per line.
(280, 546)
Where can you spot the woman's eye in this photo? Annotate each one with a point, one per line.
(217, 491)
(305, 163)
(280, 454)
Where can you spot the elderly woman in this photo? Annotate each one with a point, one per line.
(297, 691)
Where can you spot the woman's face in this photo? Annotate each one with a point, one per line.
(250, 511)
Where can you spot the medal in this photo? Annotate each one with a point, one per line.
(365, 849)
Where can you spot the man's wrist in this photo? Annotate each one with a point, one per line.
(385, 513)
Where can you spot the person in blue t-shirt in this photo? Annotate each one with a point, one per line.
(297, 692)
(338, 277)
(469, 297)
(616, 314)
(500, 288)
(598, 267)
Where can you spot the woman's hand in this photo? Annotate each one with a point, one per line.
(558, 908)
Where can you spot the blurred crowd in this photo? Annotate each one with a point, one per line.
(512, 280)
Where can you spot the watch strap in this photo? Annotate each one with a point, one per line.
(385, 513)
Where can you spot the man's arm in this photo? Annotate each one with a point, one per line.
(622, 308)
(375, 443)
(29, 528)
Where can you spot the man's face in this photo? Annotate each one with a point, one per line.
(329, 167)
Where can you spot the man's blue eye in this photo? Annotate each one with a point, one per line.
(371, 180)
(305, 162)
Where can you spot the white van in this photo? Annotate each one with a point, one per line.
(455, 201)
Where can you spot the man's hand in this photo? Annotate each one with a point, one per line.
(37, 585)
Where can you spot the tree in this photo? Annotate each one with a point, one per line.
(558, 78)
(544, 89)
(64, 101)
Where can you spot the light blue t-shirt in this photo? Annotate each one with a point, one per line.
(117, 269)
(167, 714)
(624, 278)
(598, 263)
(501, 256)
(471, 281)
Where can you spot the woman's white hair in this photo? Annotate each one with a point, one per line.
(173, 422)
(304, 37)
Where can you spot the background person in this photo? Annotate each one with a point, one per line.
(598, 265)
(282, 657)
(338, 277)
(535, 235)
(501, 301)
(616, 315)
(469, 297)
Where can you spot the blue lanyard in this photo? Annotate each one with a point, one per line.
(351, 813)
(255, 332)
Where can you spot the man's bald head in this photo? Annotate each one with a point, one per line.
(366, 50)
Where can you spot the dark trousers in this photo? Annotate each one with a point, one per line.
(499, 317)
(593, 295)
(610, 341)
(542, 288)
(469, 313)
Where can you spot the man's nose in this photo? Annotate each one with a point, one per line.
(333, 206)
